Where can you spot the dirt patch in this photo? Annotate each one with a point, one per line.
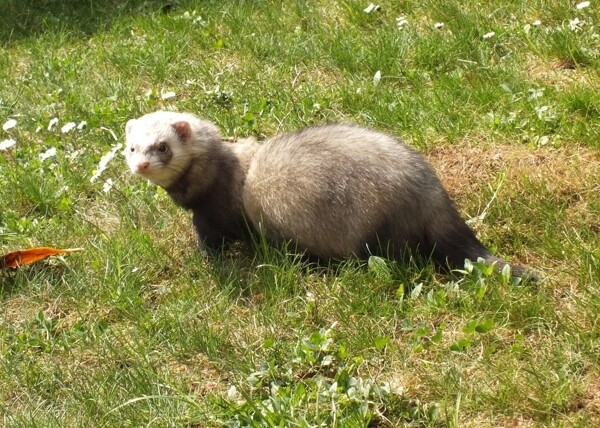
(592, 397)
(560, 73)
(534, 178)
(570, 173)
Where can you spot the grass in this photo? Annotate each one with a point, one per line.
(142, 330)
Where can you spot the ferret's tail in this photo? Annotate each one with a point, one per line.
(452, 242)
(516, 270)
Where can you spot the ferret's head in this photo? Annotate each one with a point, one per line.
(162, 145)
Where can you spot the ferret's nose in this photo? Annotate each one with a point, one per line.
(141, 166)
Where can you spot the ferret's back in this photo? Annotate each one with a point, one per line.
(333, 187)
(337, 150)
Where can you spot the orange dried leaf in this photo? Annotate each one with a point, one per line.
(25, 257)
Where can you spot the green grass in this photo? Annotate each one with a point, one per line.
(140, 329)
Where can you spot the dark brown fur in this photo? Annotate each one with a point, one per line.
(217, 211)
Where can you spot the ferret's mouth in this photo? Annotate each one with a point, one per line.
(146, 174)
(142, 172)
(152, 175)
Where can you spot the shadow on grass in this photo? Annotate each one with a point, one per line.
(22, 19)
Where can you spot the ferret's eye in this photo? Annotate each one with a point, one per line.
(132, 149)
(162, 147)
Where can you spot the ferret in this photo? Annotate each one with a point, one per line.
(334, 191)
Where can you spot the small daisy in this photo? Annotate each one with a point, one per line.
(199, 21)
(6, 144)
(53, 122)
(377, 77)
(371, 7)
(401, 21)
(438, 25)
(575, 24)
(104, 161)
(168, 95)
(583, 5)
(489, 35)
(47, 154)
(68, 127)
(9, 124)
(108, 184)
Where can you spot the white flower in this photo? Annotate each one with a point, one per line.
(7, 144)
(489, 35)
(82, 125)
(438, 25)
(108, 184)
(537, 22)
(104, 161)
(377, 77)
(74, 155)
(199, 21)
(401, 21)
(168, 95)
(371, 7)
(53, 122)
(575, 24)
(68, 127)
(192, 16)
(48, 154)
(9, 124)
(583, 5)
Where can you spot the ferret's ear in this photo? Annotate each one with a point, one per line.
(129, 125)
(183, 130)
